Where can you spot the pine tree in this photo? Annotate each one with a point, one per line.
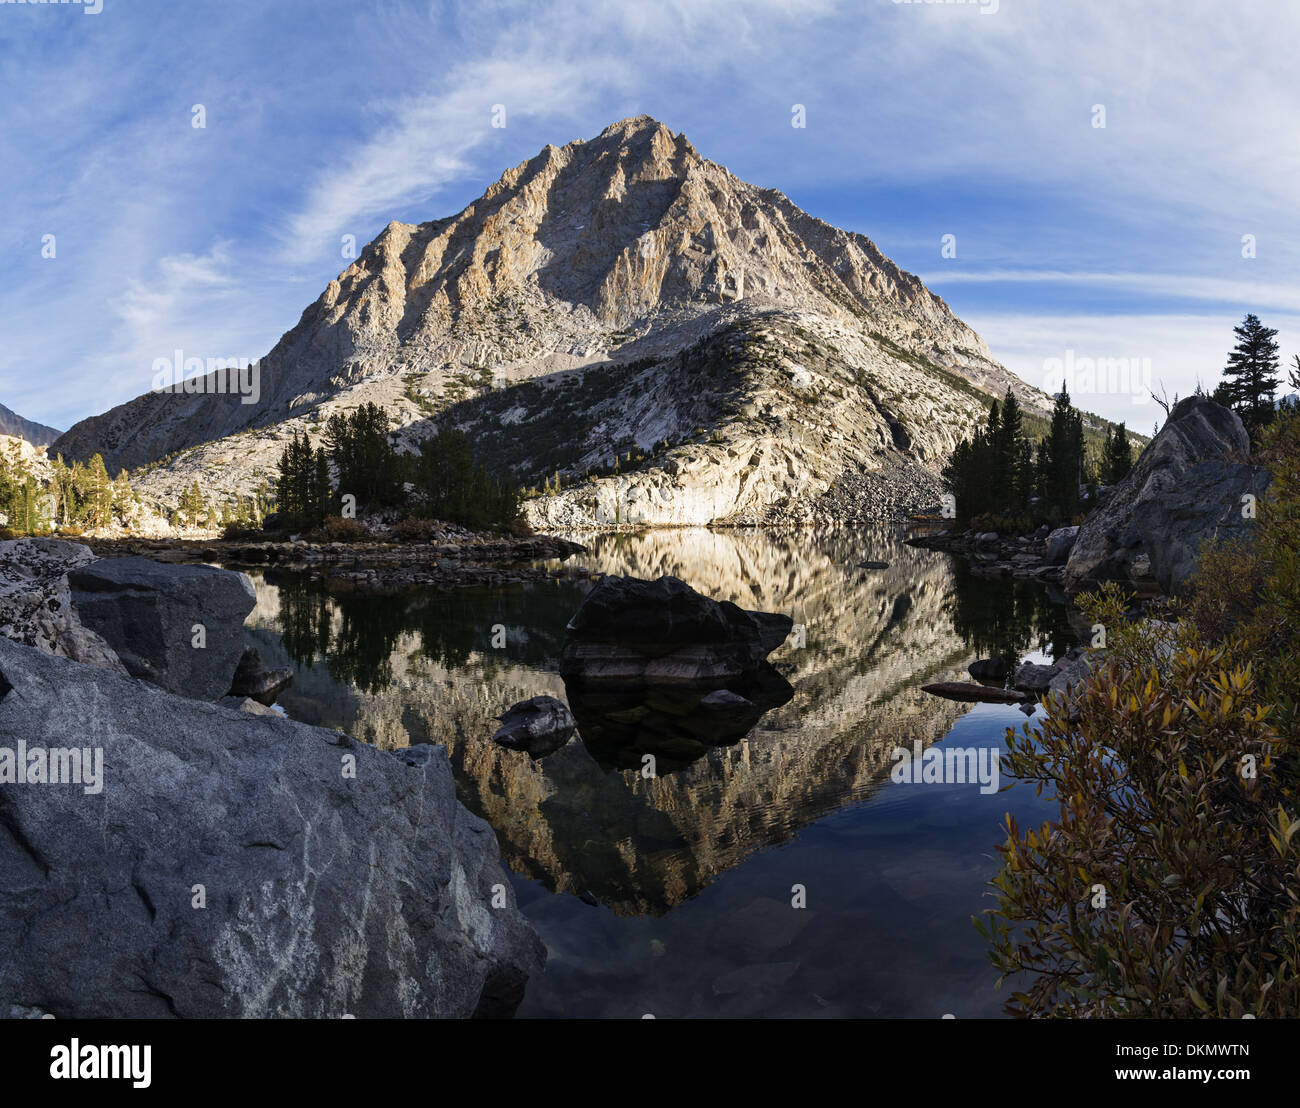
(322, 494)
(123, 498)
(99, 490)
(1251, 375)
(1060, 459)
(1117, 456)
(1008, 444)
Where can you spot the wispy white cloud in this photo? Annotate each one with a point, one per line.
(215, 239)
(1173, 286)
(1170, 353)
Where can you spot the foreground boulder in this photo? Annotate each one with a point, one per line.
(154, 616)
(1186, 488)
(221, 864)
(36, 601)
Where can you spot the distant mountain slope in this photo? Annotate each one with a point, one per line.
(11, 423)
(619, 304)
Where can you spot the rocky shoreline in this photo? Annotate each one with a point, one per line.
(1040, 556)
(373, 566)
(1193, 485)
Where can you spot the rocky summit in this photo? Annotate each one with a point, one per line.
(621, 319)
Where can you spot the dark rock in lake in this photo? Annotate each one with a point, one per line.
(873, 565)
(632, 632)
(148, 612)
(1032, 678)
(538, 726)
(239, 866)
(725, 701)
(253, 678)
(989, 669)
(1186, 487)
(961, 690)
(653, 667)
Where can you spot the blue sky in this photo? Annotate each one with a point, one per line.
(328, 118)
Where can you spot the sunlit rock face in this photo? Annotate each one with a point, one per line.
(862, 643)
(678, 345)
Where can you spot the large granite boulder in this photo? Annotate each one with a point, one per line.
(1033, 678)
(36, 601)
(233, 865)
(179, 626)
(633, 632)
(1187, 487)
(655, 668)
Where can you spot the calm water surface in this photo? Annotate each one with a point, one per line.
(692, 873)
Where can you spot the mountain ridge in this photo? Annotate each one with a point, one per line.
(38, 434)
(624, 250)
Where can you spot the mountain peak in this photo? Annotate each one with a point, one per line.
(634, 123)
(655, 276)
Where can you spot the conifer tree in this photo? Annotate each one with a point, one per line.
(1251, 375)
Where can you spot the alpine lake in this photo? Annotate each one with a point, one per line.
(787, 874)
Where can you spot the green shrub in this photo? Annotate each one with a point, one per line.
(412, 530)
(338, 529)
(1167, 885)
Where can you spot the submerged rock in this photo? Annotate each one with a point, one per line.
(179, 626)
(962, 690)
(231, 865)
(539, 726)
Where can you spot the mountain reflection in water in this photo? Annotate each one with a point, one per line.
(421, 667)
